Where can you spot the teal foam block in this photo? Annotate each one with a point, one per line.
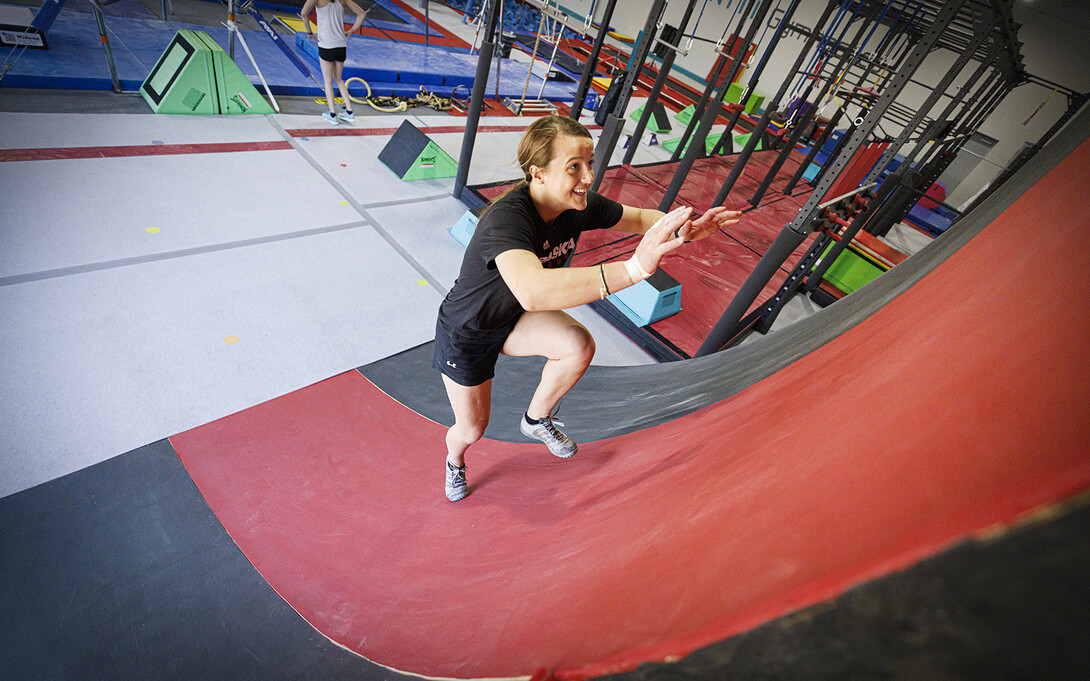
(463, 230)
(650, 300)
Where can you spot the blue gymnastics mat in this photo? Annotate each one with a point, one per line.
(386, 16)
(76, 60)
(398, 68)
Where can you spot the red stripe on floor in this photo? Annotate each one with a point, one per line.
(62, 153)
(961, 404)
(428, 130)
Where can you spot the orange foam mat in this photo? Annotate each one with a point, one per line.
(963, 403)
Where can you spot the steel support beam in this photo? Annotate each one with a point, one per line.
(984, 20)
(762, 125)
(810, 114)
(713, 83)
(696, 146)
(611, 130)
(592, 61)
(727, 140)
(476, 100)
(960, 97)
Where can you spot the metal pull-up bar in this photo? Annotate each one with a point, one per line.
(676, 49)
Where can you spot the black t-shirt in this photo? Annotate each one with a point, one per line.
(480, 306)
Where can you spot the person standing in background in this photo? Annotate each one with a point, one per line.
(333, 49)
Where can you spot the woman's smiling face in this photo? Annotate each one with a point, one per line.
(567, 179)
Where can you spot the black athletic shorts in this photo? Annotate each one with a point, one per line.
(465, 362)
(333, 53)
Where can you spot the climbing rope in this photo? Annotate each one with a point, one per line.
(533, 58)
(395, 104)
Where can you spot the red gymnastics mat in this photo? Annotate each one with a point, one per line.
(975, 411)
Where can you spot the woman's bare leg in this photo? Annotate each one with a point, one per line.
(472, 407)
(338, 77)
(564, 342)
(327, 76)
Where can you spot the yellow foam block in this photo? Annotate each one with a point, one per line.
(294, 22)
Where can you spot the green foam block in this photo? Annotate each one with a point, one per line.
(686, 114)
(195, 76)
(709, 143)
(850, 272)
(413, 156)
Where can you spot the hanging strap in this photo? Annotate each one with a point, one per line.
(726, 29)
(692, 36)
(1026, 122)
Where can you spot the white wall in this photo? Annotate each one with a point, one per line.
(1057, 48)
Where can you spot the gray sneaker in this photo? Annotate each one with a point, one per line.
(457, 488)
(558, 443)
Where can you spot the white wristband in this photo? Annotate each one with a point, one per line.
(635, 270)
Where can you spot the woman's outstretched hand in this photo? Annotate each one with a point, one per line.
(675, 229)
(660, 239)
(709, 223)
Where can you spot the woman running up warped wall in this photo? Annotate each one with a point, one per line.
(513, 287)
